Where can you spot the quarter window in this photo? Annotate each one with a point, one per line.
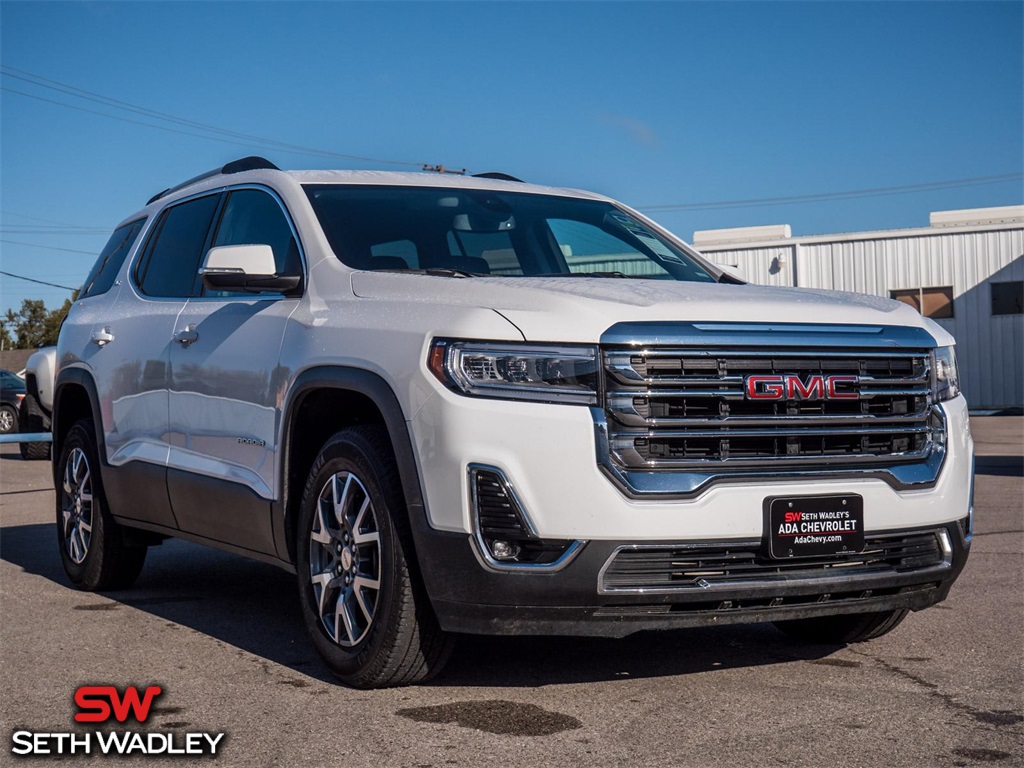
(172, 257)
(108, 265)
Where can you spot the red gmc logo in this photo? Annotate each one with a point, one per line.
(792, 387)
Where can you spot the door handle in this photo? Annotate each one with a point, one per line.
(187, 336)
(102, 338)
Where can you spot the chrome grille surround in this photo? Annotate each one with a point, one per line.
(676, 418)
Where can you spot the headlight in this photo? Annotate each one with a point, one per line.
(945, 379)
(547, 373)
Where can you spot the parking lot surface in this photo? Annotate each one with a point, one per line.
(224, 639)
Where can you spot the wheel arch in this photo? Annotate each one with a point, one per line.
(75, 397)
(370, 399)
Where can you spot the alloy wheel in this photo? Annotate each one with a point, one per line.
(345, 559)
(76, 505)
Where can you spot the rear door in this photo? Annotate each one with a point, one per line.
(129, 356)
(225, 387)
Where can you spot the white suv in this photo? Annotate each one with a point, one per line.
(470, 404)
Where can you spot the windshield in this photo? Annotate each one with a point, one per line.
(507, 234)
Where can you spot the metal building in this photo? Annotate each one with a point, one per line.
(966, 271)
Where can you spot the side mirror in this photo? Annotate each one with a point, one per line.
(245, 268)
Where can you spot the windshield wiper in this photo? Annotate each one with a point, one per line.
(434, 272)
(586, 274)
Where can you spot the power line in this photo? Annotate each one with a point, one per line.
(45, 221)
(126, 119)
(41, 282)
(849, 194)
(90, 231)
(48, 247)
(247, 139)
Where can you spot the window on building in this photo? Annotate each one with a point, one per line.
(936, 303)
(1008, 298)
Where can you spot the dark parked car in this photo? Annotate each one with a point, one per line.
(12, 392)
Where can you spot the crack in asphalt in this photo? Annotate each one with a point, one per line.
(994, 718)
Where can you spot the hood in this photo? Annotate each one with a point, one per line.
(581, 309)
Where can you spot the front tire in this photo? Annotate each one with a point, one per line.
(363, 604)
(836, 630)
(92, 547)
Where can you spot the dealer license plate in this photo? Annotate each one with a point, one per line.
(811, 526)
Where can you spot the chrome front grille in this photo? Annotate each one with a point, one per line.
(688, 408)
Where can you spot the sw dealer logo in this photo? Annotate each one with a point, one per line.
(103, 700)
(103, 703)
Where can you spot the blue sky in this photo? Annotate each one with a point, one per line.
(653, 103)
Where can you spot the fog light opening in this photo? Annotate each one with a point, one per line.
(505, 551)
(503, 534)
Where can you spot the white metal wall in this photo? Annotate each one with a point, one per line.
(990, 349)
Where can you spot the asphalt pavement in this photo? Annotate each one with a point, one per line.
(223, 638)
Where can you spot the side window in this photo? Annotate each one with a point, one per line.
(587, 248)
(107, 266)
(253, 217)
(172, 256)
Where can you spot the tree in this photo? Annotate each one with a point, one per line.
(33, 326)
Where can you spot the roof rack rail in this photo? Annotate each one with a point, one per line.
(497, 175)
(251, 163)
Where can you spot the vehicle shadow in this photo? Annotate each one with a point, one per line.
(252, 606)
(1002, 466)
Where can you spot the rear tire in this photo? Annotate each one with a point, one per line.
(362, 600)
(92, 547)
(34, 419)
(851, 628)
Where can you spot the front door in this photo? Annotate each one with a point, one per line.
(225, 388)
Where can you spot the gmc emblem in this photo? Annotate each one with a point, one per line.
(792, 387)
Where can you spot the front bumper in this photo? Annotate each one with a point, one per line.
(470, 599)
